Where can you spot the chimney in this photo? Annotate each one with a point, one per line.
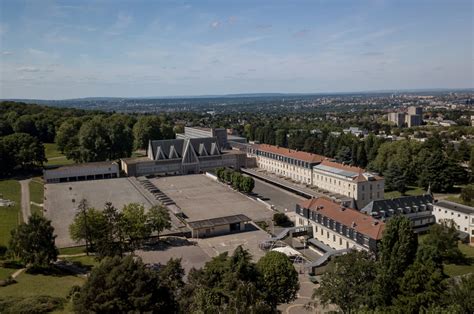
(375, 222)
(353, 224)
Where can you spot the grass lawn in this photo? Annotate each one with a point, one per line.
(54, 156)
(5, 272)
(458, 200)
(72, 250)
(34, 285)
(456, 270)
(36, 195)
(412, 191)
(9, 216)
(84, 260)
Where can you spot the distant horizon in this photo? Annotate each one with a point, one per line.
(258, 94)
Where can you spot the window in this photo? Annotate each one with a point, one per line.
(334, 238)
(328, 234)
(459, 215)
(340, 241)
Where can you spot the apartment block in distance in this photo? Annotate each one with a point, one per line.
(339, 227)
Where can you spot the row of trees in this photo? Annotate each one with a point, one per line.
(404, 277)
(109, 138)
(236, 180)
(226, 284)
(111, 232)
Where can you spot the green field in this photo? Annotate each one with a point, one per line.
(72, 250)
(456, 270)
(54, 156)
(412, 191)
(5, 272)
(36, 195)
(9, 216)
(34, 285)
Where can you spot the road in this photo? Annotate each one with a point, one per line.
(283, 200)
(25, 199)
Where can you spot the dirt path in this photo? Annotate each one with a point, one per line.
(25, 199)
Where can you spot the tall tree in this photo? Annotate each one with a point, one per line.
(395, 178)
(397, 252)
(347, 282)
(134, 224)
(279, 278)
(147, 128)
(444, 238)
(123, 285)
(158, 219)
(33, 242)
(20, 151)
(94, 141)
(88, 226)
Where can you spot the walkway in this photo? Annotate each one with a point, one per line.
(25, 199)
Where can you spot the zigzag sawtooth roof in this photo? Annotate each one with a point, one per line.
(299, 155)
(210, 145)
(396, 203)
(348, 217)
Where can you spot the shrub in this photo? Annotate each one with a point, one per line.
(36, 304)
(281, 219)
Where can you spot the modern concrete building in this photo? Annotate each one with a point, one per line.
(82, 172)
(223, 138)
(462, 215)
(419, 209)
(182, 156)
(339, 227)
(413, 110)
(296, 165)
(413, 120)
(397, 117)
(350, 181)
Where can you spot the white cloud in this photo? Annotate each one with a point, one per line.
(28, 69)
(7, 53)
(122, 22)
(216, 24)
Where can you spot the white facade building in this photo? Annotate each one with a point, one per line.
(462, 215)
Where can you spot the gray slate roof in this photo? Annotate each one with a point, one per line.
(186, 149)
(455, 206)
(400, 205)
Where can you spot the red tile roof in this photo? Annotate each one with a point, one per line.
(304, 156)
(364, 224)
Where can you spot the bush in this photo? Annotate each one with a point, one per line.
(3, 251)
(281, 219)
(37, 304)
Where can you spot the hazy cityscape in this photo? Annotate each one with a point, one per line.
(236, 157)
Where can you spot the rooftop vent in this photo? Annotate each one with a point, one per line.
(353, 224)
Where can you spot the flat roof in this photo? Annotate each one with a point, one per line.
(83, 165)
(219, 221)
(455, 206)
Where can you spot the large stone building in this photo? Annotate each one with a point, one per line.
(289, 163)
(183, 156)
(397, 117)
(316, 170)
(350, 181)
(419, 209)
(339, 227)
(462, 215)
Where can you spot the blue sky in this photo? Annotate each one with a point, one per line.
(66, 49)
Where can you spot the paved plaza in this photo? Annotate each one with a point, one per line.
(62, 199)
(201, 197)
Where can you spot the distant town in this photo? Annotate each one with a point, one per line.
(301, 198)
